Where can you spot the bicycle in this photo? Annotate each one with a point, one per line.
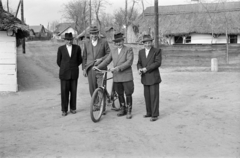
(101, 96)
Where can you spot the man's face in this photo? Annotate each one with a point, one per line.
(119, 44)
(68, 42)
(147, 44)
(94, 36)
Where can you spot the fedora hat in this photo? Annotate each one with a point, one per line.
(118, 37)
(68, 36)
(93, 29)
(146, 38)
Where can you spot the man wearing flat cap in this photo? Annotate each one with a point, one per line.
(149, 61)
(122, 58)
(68, 59)
(94, 52)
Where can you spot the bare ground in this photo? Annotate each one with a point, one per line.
(199, 116)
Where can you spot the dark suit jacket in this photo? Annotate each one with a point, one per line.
(102, 48)
(123, 61)
(69, 65)
(152, 63)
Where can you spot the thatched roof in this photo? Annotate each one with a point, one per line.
(193, 18)
(60, 28)
(37, 28)
(9, 22)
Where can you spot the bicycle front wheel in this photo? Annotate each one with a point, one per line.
(97, 104)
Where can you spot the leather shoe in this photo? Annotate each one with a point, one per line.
(73, 111)
(104, 113)
(145, 116)
(153, 119)
(64, 113)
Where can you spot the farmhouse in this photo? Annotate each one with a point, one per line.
(38, 31)
(11, 29)
(202, 23)
(63, 28)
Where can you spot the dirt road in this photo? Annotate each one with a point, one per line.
(199, 116)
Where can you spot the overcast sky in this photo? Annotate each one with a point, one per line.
(38, 12)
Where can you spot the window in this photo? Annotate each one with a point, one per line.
(233, 38)
(178, 39)
(188, 39)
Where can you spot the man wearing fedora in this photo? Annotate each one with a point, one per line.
(149, 60)
(94, 52)
(122, 58)
(68, 59)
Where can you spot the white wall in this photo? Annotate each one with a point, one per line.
(70, 30)
(200, 39)
(238, 40)
(8, 63)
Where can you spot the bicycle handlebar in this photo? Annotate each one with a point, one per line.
(102, 71)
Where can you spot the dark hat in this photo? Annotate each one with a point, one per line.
(93, 29)
(68, 36)
(118, 37)
(146, 38)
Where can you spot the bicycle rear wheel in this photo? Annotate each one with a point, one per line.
(97, 104)
(115, 101)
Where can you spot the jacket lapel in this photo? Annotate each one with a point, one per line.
(120, 55)
(150, 55)
(144, 59)
(73, 51)
(98, 46)
(66, 50)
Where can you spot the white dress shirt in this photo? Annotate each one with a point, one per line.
(94, 43)
(119, 50)
(147, 52)
(69, 48)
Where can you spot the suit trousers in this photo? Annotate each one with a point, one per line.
(121, 87)
(94, 80)
(151, 94)
(68, 87)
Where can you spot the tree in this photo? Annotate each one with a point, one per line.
(53, 25)
(98, 7)
(77, 12)
(106, 20)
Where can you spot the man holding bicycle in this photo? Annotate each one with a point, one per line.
(122, 58)
(94, 52)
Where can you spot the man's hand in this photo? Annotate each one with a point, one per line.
(144, 70)
(116, 69)
(140, 71)
(95, 68)
(84, 73)
(97, 61)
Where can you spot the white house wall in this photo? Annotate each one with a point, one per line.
(70, 30)
(200, 39)
(8, 63)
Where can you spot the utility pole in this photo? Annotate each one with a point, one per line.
(22, 18)
(90, 9)
(18, 8)
(156, 41)
(126, 19)
(7, 6)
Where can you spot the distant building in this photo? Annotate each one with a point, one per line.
(201, 23)
(63, 28)
(38, 31)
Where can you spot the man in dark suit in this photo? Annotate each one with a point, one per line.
(149, 60)
(68, 59)
(122, 58)
(94, 52)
